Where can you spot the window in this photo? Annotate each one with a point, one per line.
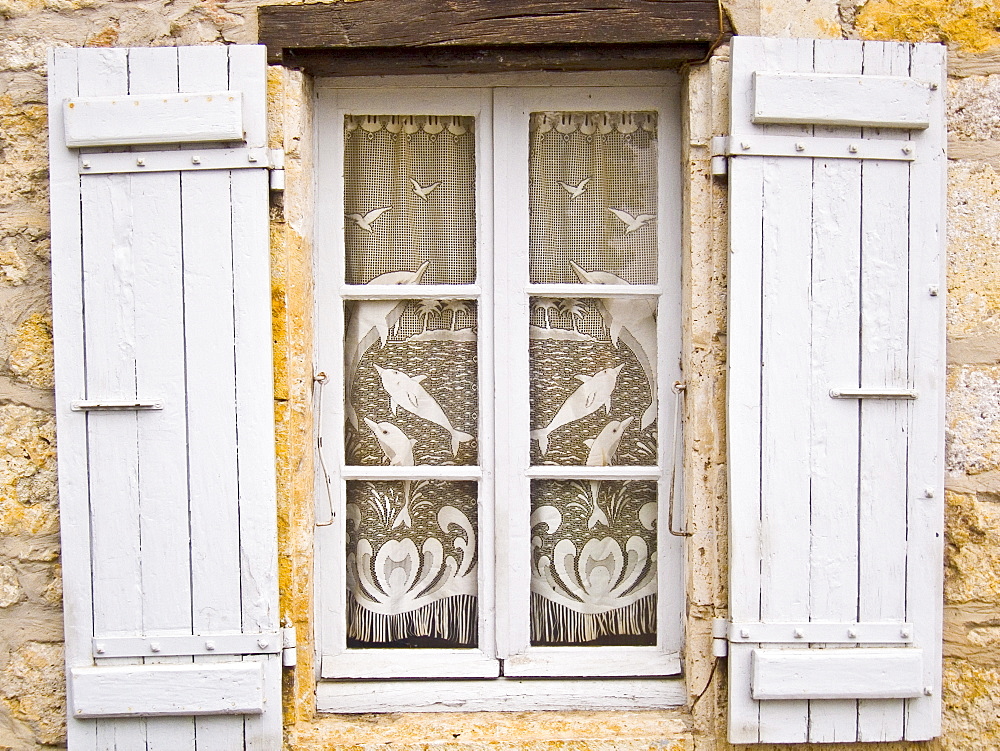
(498, 314)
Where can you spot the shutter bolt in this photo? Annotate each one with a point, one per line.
(744, 145)
(933, 290)
(852, 633)
(86, 165)
(744, 634)
(904, 633)
(928, 691)
(853, 148)
(934, 87)
(210, 646)
(928, 492)
(798, 633)
(262, 643)
(99, 648)
(907, 149)
(251, 157)
(154, 646)
(799, 146)
(196, 160)
(140, 162)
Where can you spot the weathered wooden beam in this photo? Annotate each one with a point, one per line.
(411, 60)
(471, 24)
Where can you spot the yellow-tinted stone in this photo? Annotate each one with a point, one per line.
(31, 351)
(969, 25)
(32, 687)
(27, 471)
(972, 553)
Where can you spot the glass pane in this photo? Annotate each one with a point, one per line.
(593, 388)
(593, 563)
(412, 561)
(412, 394)
(410, 199)
(592, 197)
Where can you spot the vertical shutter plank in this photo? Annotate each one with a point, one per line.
(71, 428)
(787, 236)
(743, 405)
(925, 507)
(884, 321)
(163, 497)
(210, 335)
(254, 394)
(835, 423)
(110, 368)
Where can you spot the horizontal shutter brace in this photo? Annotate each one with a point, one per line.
(808, 146)
(186, 645)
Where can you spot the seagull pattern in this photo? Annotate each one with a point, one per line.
(575, 191)
(422, 190)
(365, 220)
(632, 223)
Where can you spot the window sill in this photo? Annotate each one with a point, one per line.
(498, 695)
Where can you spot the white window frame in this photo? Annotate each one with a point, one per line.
(630, 677)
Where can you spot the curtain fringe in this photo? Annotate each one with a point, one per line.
(555, 623)
(452, 618)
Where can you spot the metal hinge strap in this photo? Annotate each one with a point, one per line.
(187, 645)
(183, 160)
(808, 146)
(820, 633)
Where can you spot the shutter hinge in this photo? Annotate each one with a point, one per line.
(720, 637)
(720, 150)
(289, 647)
(277, 166)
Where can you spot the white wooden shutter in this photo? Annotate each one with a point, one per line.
(164, 397)
(836, 390)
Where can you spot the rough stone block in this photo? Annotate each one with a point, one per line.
(972, 557)
(971, 698)
(32, 688)
(27, 471)
(973, 249)
(973, 107)
(11, 591)
(31, 351)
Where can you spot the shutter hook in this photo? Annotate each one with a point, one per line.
(320, 379)
(679, 388)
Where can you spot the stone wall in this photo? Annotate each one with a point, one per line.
(31, 675)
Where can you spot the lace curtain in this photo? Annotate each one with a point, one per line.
(592, 188)
(412, 395)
